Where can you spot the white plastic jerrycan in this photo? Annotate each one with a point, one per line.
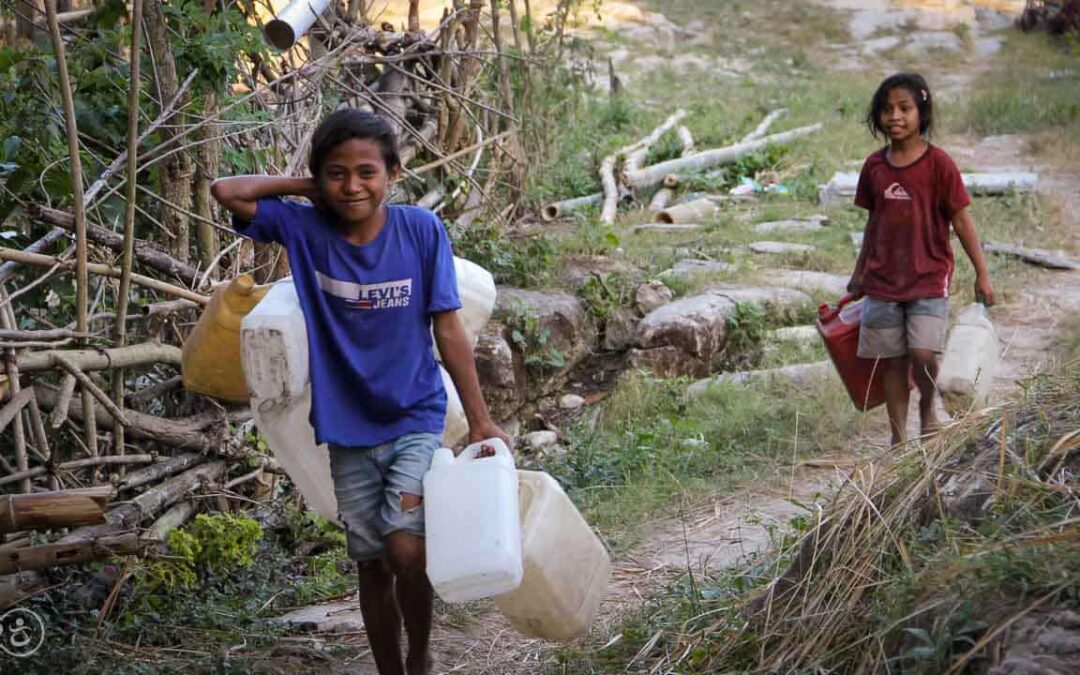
(567, 568)
(970, 361)
(472, 523)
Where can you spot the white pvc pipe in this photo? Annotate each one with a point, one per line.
(293, 21)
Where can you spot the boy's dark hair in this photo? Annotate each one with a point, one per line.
(347, 123)
(920, 91)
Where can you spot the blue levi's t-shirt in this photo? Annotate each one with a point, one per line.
(368, 310)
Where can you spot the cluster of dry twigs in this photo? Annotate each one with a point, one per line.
(90, 412)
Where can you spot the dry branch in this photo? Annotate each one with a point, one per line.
(99, 460)
(14, 407)
(103, 359)
(102, 270)
(155, 472)
(761, 129)
(144, 252)
(653, 175)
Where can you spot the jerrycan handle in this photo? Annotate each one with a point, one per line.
(442, 457)
(825, 312)
(472, 452)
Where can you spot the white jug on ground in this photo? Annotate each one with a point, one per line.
(472, 526)
(567, 568)
(970, 362)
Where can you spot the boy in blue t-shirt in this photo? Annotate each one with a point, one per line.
(372, 279)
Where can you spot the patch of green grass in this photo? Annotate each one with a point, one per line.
(1021, 96)
(654, 449)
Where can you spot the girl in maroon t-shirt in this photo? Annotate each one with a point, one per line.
(913, 191)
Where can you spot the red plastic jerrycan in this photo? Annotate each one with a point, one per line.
(839, 328)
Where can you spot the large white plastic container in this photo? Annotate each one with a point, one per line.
(274, 356)
(567, 568)
(471, 523)
(970, 362)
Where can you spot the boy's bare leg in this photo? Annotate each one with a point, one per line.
(382, 620)
(926, 371)
(408, 559)
(896, 396)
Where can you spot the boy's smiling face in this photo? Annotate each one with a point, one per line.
(900, 115)
(354, 181)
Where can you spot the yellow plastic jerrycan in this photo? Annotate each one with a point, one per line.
(210, 362)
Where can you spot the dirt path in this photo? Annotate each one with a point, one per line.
(728, 530)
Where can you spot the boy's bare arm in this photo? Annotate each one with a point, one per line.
(241, 194)
(965, 231)
(457, 355)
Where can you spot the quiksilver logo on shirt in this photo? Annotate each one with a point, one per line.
(897, 191)
(385, 295)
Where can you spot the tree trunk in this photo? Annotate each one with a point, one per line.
(207, 168)
(174, 176)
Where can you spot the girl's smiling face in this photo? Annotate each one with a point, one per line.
(900, 115)
(354, 180)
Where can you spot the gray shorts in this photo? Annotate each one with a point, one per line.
(369, 483)
(892, 329)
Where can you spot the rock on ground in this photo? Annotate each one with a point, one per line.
(619, 329)
(501, 371)
(808, 224)
(799, 375)
(561, 316)
(685, 269)
(651, 295)
(335, 617)
(780, 300)
(695, 326)
(809, 281)
(780, 247)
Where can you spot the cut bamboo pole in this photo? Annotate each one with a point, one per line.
(12, 408)
(45, 510)
(177, 515)
(88, 385)
(567, 206)
(653, 175)
(63, 402)
(671, 181)
(102, 270)
(696, 211)
(55, 555)
(82, 275)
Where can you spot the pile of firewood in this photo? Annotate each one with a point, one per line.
(100, 445)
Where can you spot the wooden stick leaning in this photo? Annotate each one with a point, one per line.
(10, 365)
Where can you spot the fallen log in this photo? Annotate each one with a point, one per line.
(560, 209)
(607, 166)
(45, 556)
(653, 175)
(103, 359)
(100, 269)
(145, 253)
(1055, 260)
(176, 516)
(61, 508)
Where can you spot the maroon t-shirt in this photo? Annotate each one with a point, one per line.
(909, 256)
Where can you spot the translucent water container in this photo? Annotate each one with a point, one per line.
(274, 356)
(567, 568)
(472, 523)
(970, 361)
(210, 361)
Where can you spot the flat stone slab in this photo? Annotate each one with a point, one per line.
(803, 335)
(330, 618)
(809, 224)
(764, 247)
(800, 375)
(689, 268)
(667, 228)
(764, 298)
(809, 281)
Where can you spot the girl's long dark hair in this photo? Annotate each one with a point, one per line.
(920, 91)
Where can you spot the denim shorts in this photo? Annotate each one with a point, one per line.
(892, 329)
(369, 484)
